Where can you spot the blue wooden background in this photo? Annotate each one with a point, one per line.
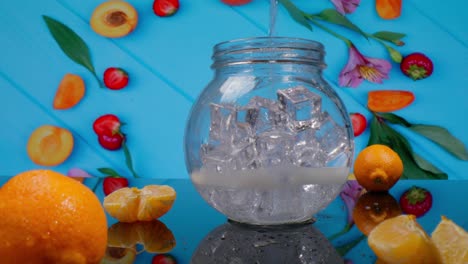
(168, 60)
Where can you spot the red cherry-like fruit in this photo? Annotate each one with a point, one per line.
(111, 184)
(359, 122)
(107, 124)
(163, 259)
(111, 141)
(236, 2)
(115, 78)
(417, 66)
(416, 201)
(164, 8)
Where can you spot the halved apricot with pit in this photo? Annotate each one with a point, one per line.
(114, 19)
(50, 145)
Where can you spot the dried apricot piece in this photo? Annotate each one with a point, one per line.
(69, 92)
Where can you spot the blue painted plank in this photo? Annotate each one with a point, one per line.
(155, 113)
(20, 116)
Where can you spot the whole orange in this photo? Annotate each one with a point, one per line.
(377, 168)
(46, 217)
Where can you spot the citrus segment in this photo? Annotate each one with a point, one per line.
(69, 92)
(451, 241)
(402, 240)
(378, 168)
(153, 235)
(146, 204)
(46, 217)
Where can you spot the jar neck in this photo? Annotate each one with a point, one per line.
(285, 54)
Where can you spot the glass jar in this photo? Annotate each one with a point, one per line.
(268, 141)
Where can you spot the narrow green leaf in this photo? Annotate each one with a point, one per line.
(109, 172)
(344, 249)
(426, 165)
(443, 138)
(71, 44)
(394, 119)
(389, 36)
(334, 17)
(298, 15)
(381, 133)
(128, 160)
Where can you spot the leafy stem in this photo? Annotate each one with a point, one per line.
(128, 159)
(331, 32)
(340, 233)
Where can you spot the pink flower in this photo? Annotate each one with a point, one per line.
(78, 173)
(350, 194)
(360, 67)
(345, 6)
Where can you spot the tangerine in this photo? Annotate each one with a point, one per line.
(402, 240)
(377, 168)
(372, 208)
(47, 217)
(451, 241)
(146, 204)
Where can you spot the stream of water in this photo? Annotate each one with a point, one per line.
(273, 13)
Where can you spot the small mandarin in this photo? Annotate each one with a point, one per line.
(377, 168)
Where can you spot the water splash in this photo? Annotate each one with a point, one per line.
(273, 13)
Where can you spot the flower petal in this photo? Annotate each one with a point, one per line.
(78, 173)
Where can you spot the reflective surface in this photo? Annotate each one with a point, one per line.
(184, 231)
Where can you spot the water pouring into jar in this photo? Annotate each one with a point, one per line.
(268, 141)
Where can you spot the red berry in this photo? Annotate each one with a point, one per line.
(417, 66)
(416, 201)
(111, 142)
(115, 78)
(359, 123)
(107, 124)
(112, 184)
(236, 2)
(163, 259)
(164, 8)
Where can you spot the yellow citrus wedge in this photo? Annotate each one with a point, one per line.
(402, 240)
(451, 241)
(146, 204)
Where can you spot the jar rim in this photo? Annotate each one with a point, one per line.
(267, 42)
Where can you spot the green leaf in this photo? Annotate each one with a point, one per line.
(344, 249)
(394, 119)
(443, 138)
(334, 17)
(424, 164)
(381, 133)
(128, 160)
(109, 172)
(71, 44)
(298, 15)
(393, 37)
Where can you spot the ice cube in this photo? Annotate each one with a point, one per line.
(274, 147)
(302, 106)
(223, 120)
(215, 157)
(264, 115)
(245, 157)
(331, 137)
(306, 152)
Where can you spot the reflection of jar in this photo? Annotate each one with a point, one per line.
(269, 141)
(234, 243)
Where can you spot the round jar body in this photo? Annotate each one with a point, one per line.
(268, 141)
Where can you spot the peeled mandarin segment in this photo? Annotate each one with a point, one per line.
(119, 256)
(70, 92)
(50, 145)
(451, 241)
(155, 201)
(123, 204)
(123, 235)
(114, 19)
(402, 240)
(155, 236)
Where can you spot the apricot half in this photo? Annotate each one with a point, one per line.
(114, 19)
(50, 145)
